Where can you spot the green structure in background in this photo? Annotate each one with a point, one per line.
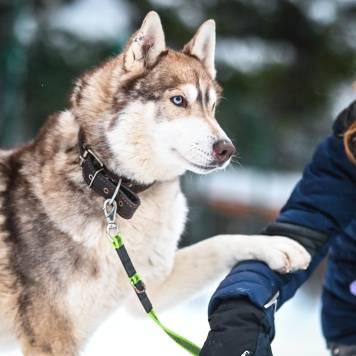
(14, 56)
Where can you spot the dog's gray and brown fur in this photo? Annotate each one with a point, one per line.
(59, 275)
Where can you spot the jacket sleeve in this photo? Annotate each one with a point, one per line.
(320, 206)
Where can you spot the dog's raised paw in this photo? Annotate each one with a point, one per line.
(283, 254)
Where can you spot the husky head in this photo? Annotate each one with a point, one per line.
(149, 113)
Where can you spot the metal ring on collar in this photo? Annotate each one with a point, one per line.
(115, 193)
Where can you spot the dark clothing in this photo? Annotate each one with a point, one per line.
(320, 214)
(242, 320)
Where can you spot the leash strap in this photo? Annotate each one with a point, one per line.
(140, 290)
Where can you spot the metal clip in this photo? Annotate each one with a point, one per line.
(110, 218)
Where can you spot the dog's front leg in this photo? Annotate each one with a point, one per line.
(196, 266)
(45, 330)
(47, 345)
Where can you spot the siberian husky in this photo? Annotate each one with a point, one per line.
(135, 125)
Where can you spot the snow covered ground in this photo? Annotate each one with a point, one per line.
(297, 323)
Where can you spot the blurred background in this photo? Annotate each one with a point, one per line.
(287, 68)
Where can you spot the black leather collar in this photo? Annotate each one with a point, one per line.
(106, 183)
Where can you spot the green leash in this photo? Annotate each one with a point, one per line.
(136, 281)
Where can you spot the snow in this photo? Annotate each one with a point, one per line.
(297, 325)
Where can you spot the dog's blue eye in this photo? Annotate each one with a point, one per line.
(178, 100)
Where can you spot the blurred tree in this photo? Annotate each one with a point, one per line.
(277, 111)
(14, 59)
(280, 63)
(38, 65)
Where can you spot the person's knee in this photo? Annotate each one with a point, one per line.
(342, 350)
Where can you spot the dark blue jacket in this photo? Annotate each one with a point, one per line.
(320, 214)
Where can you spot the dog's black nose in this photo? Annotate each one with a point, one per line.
(223, 150)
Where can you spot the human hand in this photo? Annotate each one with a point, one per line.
(238, 328)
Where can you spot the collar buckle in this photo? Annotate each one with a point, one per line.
(106, 183)
(84, 156)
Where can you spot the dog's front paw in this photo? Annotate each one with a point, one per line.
(283, 254)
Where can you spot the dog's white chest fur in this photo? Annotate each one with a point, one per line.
(150, 238)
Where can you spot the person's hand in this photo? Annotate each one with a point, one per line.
(238, 328)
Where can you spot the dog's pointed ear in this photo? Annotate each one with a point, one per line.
(202, 46)
(145, 46)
